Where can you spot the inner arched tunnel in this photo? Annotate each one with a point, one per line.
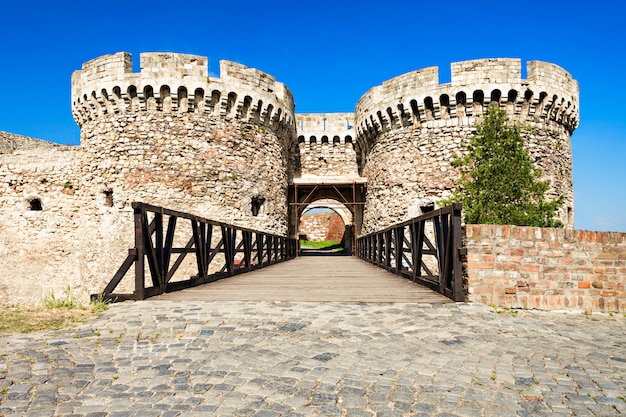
(325, 228)
(346, 198)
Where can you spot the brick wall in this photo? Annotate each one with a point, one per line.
(321, 226)
(547, 269)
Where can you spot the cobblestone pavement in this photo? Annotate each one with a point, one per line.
(264, 359)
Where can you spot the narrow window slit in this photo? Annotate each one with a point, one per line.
(35, 204)
(108, 198)
(257, 204)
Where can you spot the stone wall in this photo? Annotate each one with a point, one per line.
(547, 269)
(411, 125)
(10, 143)
(325, 146)
(54, 233)
(226, 148)
(212, 168)
(172, 136)
(317, 227)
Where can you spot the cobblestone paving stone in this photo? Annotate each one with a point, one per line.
(264, 359)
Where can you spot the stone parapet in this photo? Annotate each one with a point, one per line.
(549, 95)
(325, 127)
(325, 146)
(170, 82)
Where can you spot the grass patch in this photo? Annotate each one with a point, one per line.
(324, 244)
(67, 302)
(53, 314)
(20, 319)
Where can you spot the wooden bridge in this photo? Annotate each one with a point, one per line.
(313, 278)
(426, 250)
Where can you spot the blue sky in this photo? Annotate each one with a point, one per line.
(329, 53)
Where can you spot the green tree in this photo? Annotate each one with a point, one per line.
(498, 183)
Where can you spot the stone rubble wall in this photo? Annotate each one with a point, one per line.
(546, 269)
(172, 136)
(317, 226)
(411, 126)
(208, 167)
(325, 146)
(73, 241)
(9, 143)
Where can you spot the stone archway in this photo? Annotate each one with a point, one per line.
(334, 222)
(350, 194)
(334, 205)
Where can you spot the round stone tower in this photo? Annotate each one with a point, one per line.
(171, 135)
(409, 127)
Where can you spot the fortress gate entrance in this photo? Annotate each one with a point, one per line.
(351, 194)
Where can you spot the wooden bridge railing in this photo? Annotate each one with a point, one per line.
(221, 250)
(427, 250)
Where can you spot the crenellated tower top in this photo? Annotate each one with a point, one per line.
(549, 95)
(325, 127)
(171, 82)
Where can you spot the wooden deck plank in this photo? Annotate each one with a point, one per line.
(311, 279)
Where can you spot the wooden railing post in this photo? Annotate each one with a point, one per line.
(140, 274)
(458, 251)
(259, 247)
(399, 234)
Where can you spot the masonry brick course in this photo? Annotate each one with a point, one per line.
(548, 269)
(319, 226)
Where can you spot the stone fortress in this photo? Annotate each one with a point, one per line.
(230, 148)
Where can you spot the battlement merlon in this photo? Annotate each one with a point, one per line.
(106, 67)
(548, 92)
(486, 71)
(549, 75)
(426, 79)
(171, 67)
(233, 73)
(107, 84)
(331, 127)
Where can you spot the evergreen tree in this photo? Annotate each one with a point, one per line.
(498, 183)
